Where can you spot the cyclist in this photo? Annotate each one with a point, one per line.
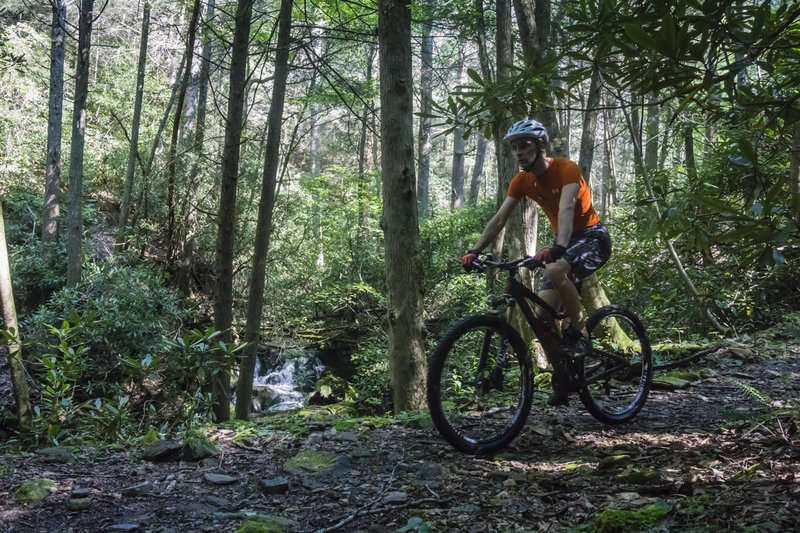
(581, 244)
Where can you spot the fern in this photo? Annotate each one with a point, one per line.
(752, 393)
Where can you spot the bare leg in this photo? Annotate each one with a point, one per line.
(558, 272)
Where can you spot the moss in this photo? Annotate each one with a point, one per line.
(618, 521)
(35, 489)
(312, 461)
(263, 524)
(6, 470)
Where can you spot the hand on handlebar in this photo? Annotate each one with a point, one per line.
(468, 260)
(549, 255)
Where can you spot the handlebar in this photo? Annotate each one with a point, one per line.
(488, 261)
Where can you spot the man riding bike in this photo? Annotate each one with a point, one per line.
(582, 244)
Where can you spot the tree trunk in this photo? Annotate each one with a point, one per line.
(52, 187)
(74, 214)
(255, 302)
(176, 125)
(17, 370)
(651, 129)
(477, 170)
(190, 222)
(400, 221)
(689, 161)
(589, 133)
(315, 165)
(223, 304)
(137, 113)
(459, 144)
(534, 34)
(363, 183)
(426, 99)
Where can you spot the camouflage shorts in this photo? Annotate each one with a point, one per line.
(588, 250)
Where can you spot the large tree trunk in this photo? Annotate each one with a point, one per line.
(223, 302)
(125, 204)
(255, 302)
(589, 133)
(52, 187)
(426, 99)
(192, 192)
(18, 376)
(176, 125)
(400, 220)
(75, 203)
(459, 144)
(534, 33)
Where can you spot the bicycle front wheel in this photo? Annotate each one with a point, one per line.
(618, 371)
(480, 385)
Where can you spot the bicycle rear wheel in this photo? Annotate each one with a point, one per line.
(480, 384)
(618, 371)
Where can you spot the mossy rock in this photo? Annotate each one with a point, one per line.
(313, 462)
(263, 524)
(614, 461)
(419, 420)
(685, 375)
(198, 446)
(617, 521)
(35, 489)
(670, 383)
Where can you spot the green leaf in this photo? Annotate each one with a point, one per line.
(475, 76)
(639, 36)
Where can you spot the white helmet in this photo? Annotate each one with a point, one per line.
(527, 128)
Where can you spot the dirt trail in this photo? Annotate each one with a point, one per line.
(697, 459)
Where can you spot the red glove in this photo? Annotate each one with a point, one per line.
(549, 255)
(467, 260)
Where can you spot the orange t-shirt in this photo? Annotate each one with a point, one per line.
(546, 191)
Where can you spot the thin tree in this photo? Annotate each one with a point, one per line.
(223, 300)
(266, 208)
(794, 172)
(75, 202)
(52, 187)
(459, 143)
(176, 124)
(425, 121)
(589, 132)
(192, 190)
(133, 153)
(400, 217)
(18, 376)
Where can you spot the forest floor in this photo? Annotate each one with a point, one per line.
(713, 457)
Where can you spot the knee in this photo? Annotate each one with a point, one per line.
(558, 272)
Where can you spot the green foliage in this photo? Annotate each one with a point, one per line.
(617, 521)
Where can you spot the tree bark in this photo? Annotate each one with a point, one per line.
(363, 183)
(176, 125)
(125, 204)
(400, 217)
(459, 144)
(17, 370)
(192, 192)
(74, 213)
(477, 169)
(651, 129)
(266, 207)
(534, 33)
(223, 304)
(52, 187)
(589, 132)
(426, 99)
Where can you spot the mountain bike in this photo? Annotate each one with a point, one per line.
(481, 380)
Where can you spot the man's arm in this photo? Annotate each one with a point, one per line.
(566, 212)
(497, 223)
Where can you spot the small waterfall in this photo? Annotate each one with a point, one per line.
(279, 390)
